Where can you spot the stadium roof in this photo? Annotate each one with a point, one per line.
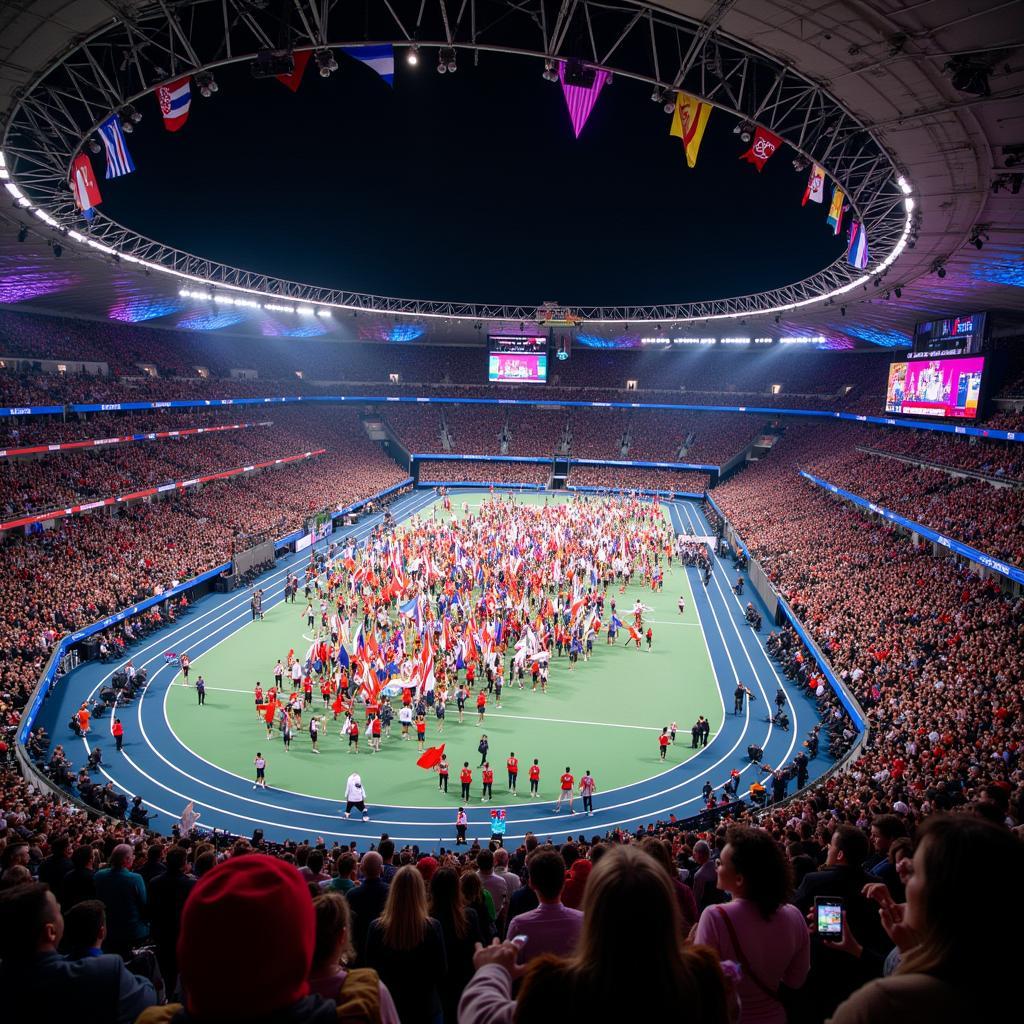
(890, 65)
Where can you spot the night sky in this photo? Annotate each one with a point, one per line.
(466, 187)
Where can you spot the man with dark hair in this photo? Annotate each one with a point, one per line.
(386, 849)
(39, 984)
(85, 928)
(78, 884)
(166, 896)
(53, 868)
(885, 830)
(552, 927)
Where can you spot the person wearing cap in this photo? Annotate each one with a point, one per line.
(223, 966)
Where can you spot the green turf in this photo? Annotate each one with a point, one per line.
(605, 716)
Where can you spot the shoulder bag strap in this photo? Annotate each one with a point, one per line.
(744, 962)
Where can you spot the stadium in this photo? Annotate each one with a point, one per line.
(510, 509)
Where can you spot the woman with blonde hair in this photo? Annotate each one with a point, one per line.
(406, 948)
(630, 963)
(328, 976)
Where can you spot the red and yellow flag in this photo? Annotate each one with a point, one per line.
(688, 123)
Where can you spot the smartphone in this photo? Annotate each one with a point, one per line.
(519, 940)
(828, 912)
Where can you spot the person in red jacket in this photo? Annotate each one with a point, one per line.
(513, 771)
(488, 781)
(481, 704)
(421, 732)
(258, 695)
(565, 792)
(117, 731)
(466, 778)
(534, 777)
(663, 742)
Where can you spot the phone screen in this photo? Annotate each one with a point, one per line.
(830, 920)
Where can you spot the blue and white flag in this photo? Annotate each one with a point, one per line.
(858, 254)
(381, 58)
(119, 160)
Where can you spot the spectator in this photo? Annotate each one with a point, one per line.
(705, 879)
(496, 886)
(612, 975)
(552, 927)
(79, 883)
(461, 931)
(956, 952)
(406, 947)
(39, 984)
(123, 892)
(367, 899)
(361, 988)
(758, 928)
(662, 853)
(167, 894)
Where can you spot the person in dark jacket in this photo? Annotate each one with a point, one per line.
(40, 985)
(167, 895)
(52, 869)
(461, 929)
(367, 899)
(79, 884)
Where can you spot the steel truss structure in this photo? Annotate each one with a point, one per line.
(144, 46)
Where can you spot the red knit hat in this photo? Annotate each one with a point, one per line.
(236, 912)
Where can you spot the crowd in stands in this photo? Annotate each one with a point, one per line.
(634, 478)
(510, 473)
(1001, 459)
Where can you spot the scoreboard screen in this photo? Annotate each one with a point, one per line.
(954, 336)
(936, 387)
(517, 359)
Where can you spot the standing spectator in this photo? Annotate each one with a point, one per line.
(705, 878)
(942, 934)
(661, 851)
(611, 975)
(79, 883)
(552, 927)
(367, 899)
(53, 868)
(167, 894)
(496, 886)
(123, 892)
(885, 830)
(40, 985)
(461, 931)
(406, 948)
(758, 929)
(328, 977)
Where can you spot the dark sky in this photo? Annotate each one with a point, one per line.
(466, 187)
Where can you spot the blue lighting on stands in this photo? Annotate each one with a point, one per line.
(405, 332)
(596, 341)
(884, 339)
(137, 310)
(999, 271)
(213, 321)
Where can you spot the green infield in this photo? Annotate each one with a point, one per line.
(604, 716)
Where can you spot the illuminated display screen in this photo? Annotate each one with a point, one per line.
(936, 387)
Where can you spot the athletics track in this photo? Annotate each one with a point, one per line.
(167, 774)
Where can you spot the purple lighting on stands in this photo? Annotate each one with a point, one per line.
(136, 310)
(581, 99)
(25, 286)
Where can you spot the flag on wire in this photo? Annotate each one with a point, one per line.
(119, 160)
(381, 58)
(835, 211)
(84, 186)
(762, 148)
(431, 757)
(815, 190)
(580, 99)
(175, 98)
(189, 817)
(294, 80)
(688, 123)
(857, 256)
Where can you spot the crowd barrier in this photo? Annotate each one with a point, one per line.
(647, 493)
(626, 463)
(496, 484)
(212, 403)
(957, 547)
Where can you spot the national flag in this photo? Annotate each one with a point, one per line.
(616, 622)
(189, 817)
(430, 757)
(815, 190)
(633, 635)
(174, 98)
(857, 255)
(119, 160)
(762, 148)
(342, 657)
(381, 58)
(85, 186)
(835, 210)
(294, 79)
(688, 123)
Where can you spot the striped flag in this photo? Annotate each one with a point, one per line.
(84, 186)
(857, 256)
(175, 98)
(119, 160)
(381, 58)
(835, 211)
(815, 190)
(688, 123)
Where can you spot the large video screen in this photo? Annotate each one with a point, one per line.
(954, 336)
(936, 387)
(518, 367)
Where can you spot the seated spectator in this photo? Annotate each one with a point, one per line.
(328, 977)
(957, 956)
(552, 927)
(612, 975)
(85, 928)
(758, 928)
(406, 948)
(39, 984)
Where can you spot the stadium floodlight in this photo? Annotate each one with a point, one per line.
(325, 62)
(412, 55)
(549, 74)
(206, 83)
(94, 146)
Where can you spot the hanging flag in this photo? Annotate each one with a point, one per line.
(688, 123)
(381, 58)
(299, 62)
(85, 186)
(762, 148)
(857, 255)
(580, 99)
(815, 190)
(119, 160)
(189, 817)
(835, 211)
(174, 98)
